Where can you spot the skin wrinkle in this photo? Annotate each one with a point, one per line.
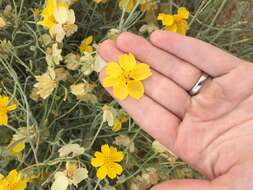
(216, 144)
(213, 173)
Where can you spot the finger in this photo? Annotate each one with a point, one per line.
(184, 74)
(145, 110)
(185, 185)
(204, 56)
(158, 87)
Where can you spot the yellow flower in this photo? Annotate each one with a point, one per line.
(13, 181)
(118, 123)
(128, 5)
(86, 45)
(4, 109)
(125, 77)
(106, 161)
(18, 148)
(176, 23)
(48, 14)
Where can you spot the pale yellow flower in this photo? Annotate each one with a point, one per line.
(88, 63)
(45, 85)
(72, 61)
(53, 56)
(107, 162)
(82, 91)
(109, 114)
(4, 109)
(61, 74)
(73, 175)
(2, 22)
(123, 140)
(71, 149)
(125, 77)
(13, 181)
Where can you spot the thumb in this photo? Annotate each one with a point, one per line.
(185, 185)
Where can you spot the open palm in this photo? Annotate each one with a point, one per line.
(212, 131)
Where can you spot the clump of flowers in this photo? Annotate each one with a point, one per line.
(125, 77)
(13, 181)
(107, 162)
(59, 19)
(5, 107)
(175, 23)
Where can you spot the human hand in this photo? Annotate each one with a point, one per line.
(212, 131)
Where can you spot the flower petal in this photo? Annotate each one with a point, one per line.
(113, 69)
(61, 14)
(88, 40)
(172, 28)
(117, 168)
(12, 107)
(97, 162)
(105, 149)
(102, 172)
(110, 81)
(17, 148)
(13, 176)
(183, 13)
(61, 182)
(141, 72)
(167, 20)
(127, 62)
(79, 175)
(3, 119)
(117, 125)
(120, 91)
(116, 156)
(111, 173)
(135, 89)
(4, 100)
(182, 27)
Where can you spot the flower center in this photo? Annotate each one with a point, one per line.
(126, 77)
(108, 160)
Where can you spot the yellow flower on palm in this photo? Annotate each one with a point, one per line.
(86, 45)
(176, 23)
(4, 109)
(125, 77)
(107, 162)
(13, 181)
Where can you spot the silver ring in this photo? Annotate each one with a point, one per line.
(197, 87)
